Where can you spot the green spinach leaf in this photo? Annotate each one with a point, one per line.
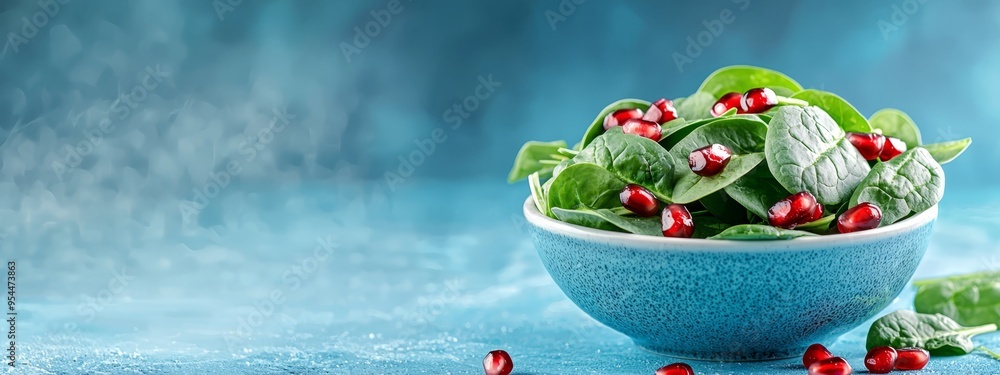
(585, 185)
(608, 220)
(972, 299)
(724, 207)
(909, 183)
(895, 123)
(759, 232)
(842, 112)
(821, 226)
(757, 191)
(740, 78)
(945, 152)
(807, 151)
(742, 135)
(632, 159)
(706, 226)
(538, 193)
(691, 187)
(597, 126)
(529, 159)
(695, 107)
(936, 333)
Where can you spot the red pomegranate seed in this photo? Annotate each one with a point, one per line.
(893, 147)
(911, 358)
(676, 221)
(498, 362)
(728, 101)
(831, 366)
(815, 353)
(639, 200)
(709, 160)
(817, 213)
(864, 216)
(880, 360)
(793, 210)
(643, 128)
(617, 118)
(758, 100)
(869, 145)
(660, 112)
(678, 368)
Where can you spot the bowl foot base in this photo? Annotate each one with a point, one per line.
(723, 355)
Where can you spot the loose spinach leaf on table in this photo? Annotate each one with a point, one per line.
(695, 107)
(740, 78)
(585, 185)
(691, 187)
(842, 112)
(530, 159)
(895, 123)
(936, 333)
(945, 152)
(608, 220)
(742, 135)
(757, 191)
(972, 299)
(807, 151)
(759, 232)
(632, 159)
(596, 127)
(909, 183)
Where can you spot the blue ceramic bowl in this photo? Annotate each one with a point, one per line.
(730, 300)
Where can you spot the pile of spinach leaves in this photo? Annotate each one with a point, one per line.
(783, 151)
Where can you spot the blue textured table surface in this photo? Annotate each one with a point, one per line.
(425, 280)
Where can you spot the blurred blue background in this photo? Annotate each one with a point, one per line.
(205, 148)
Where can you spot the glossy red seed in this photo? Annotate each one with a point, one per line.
(864, 216)
(911, 358)
(792, 211)
(831, 366)
(880, 360)
(817, 213)
(498, 362)
(661, 111)
(892, 148)
(639, 200)
(676, 221)
(678, 368)
(643, 128)
(869, 145)
(726, 102)
(758, 100)
(617, 118)
(709, 160)
(815, 353)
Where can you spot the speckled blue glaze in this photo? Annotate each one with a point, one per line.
(730, 300)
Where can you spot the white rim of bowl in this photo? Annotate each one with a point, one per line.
(536, 218)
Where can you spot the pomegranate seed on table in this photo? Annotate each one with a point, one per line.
(758, 100)
(911, 358)
(643, 128)
(880, 360)
(639, 200)
(892, 148)
(676, 221)
(869, 145)
(660, 112)
(815, 353)
(498, 362)
(617, 118)
(831, 366)
(726, 102)
(793, 210)
(864, 216)
(678, 368)
(709, 160)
